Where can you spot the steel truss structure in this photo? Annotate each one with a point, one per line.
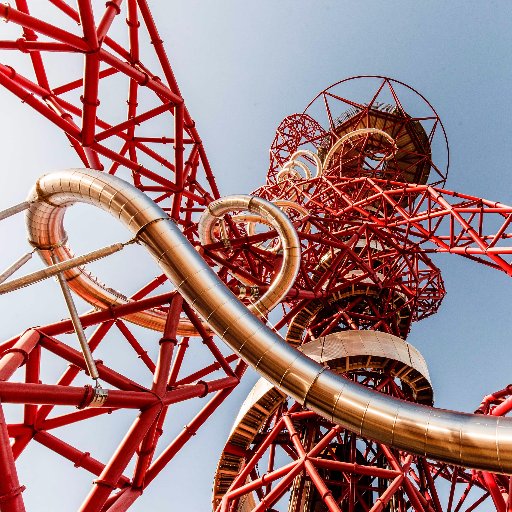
(365, 207)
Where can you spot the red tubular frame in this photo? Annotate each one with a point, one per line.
(408, 220)
(142, 439)
(92, 137)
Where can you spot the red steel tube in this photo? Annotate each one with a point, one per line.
(32, 374)
(503, 408)
(205, 371)
(97, 317)
(87, 21)
(141, 353)
(321, 487)
(190, 430)
(278, 490)
(358, 469)
(78, 458)
(23, 393)
(496, 495)
(72, 417)
(11, 499)
(264, 479)
(384, 498)
(129, 123)
(123, 500)
(167, 343)
(14, 357)
(111, 11)
(9, 13)
(75, 357)
(199, 390)
(109, 477)
(72, 371)
(208, 339)
(178, 158)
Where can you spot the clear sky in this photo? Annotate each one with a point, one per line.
(242, 67)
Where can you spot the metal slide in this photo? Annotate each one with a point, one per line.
(476, 441)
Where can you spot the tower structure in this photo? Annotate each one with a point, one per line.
(339, 238)
(348, 173)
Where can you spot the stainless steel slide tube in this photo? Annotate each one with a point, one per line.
(290, 245)
(475, 441)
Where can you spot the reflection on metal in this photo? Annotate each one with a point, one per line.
(271, 215)
(342, 352)
(361, 132)
(89, 288)
(99, 398)
(296, 210)
(476, 441)
(351, 350)
(288, 171)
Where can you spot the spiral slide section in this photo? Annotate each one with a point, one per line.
(475, 441)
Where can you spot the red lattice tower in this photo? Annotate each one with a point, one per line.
(360, 184)
(367, 224)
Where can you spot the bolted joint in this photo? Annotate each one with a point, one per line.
(12, 494)
(104, 483)
(114, 6)
(206, 388)
(91, 103)
(93, 397)
(24, 353)
(174, 341)
(132, 24)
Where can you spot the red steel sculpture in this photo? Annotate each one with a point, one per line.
(348, 266)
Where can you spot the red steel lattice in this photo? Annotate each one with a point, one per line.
(367, 226)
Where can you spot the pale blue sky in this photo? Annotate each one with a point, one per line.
(242, 67)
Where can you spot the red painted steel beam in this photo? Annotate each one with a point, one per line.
(13, 15)
(248, 487)
(141, 353)
(133, 121)
(123, 500)
(11, 499)
(358, 469)
(75, 357)
(208, 340)
(112, 10)
(78, 458)
(191, 429)
(161, 377)
(32, 375)
(193, 377)
(65, 326)
(35, 46)
(23, 393)
(322, 489)
(109, 477)
(72, 417)
(72, 371)
(13, 358)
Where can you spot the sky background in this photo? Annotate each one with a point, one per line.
(242, 67)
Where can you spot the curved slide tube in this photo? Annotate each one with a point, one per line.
(53, 238)
(272, 216)
(358, 133)
(475, 441)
